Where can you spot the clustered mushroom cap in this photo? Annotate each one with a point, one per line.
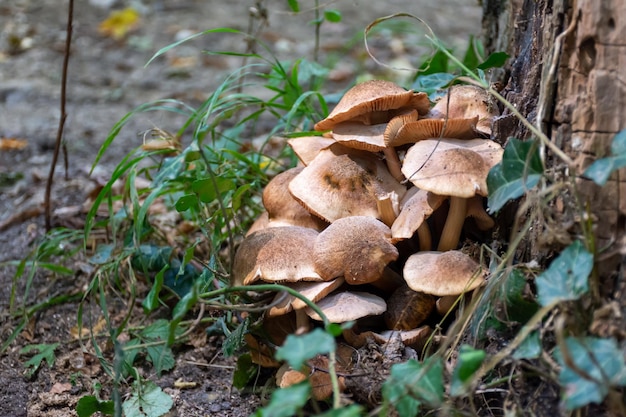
(452, 167)
(364, 100)
(442, 273)
(416, 206)
(340, 183)
(344, 306)
(276, 254)
(357, 248)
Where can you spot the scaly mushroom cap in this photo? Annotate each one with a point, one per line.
(282, 208)
(370, 102)
(341, 182)
(416, 206)
(442, 273)
(347, 306)
(357, 248)
(468, 101)
(452, 167)
(276, 254)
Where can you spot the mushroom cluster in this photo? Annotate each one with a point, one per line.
(369, 224)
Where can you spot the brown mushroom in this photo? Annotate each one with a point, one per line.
(313, 291)
(452, 167)
(407, 309)
(306, 148)
(357, 248)
(282, 208)
(276, 254)
(347, 306)
(373, 102)
(443, 273)
(342, 182)
(417, 130)
(416, 206)
(465, 101)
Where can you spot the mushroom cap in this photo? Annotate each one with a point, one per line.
(276, 254)
(407, 309)
(357, 248)
(411, 132)
(282, 208)
(306, 148)
(452, 167)
(467, 101)
(342, 182)
(370, 97)
(359, 136)
(442, 273)
(314, 291)
(259, 223)
(346, 306)
(416, 206)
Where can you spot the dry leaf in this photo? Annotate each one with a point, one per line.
(180, 384)
(60, 387)
(119, 23)
(86, 331)
(12, 144)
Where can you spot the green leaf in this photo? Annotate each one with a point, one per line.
(332, 15)
(286, 402)
(186, 202)
(297, 349)
(495, 60)
(103, 254)
(350, 411)
(151, 301)
(566, 277)
(235, 339)
(148, 400)
(46, 353)
(208, 191)
(412, 384)
(520, 170)
(245, 370)
(600, 171)
(432, 83)
(530, 348)
(601, 361)
(468, 362)
(294, 5)
(517, 307)
(89, 405)
(438, 63)
(471, 58)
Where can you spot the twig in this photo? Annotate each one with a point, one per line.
(58, 143)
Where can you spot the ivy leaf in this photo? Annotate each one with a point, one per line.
(468, 363)
(600, 171)
(286, 402)
(600, 359)
(412, 384)
(298, 349)
(235, 339)
(46, 353)
(186, 202)
(148, 400)
(566, 277)
(244, 371)
(530, 348)
(495, 60)
(89, 405)
(520, 170)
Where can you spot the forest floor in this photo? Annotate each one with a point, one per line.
(107, 79)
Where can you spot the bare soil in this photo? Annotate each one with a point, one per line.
(107, 79)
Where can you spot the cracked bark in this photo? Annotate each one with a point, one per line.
(581, 107)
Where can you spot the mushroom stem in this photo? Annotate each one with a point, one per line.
(426, 239)
(385, 210)
(393, 163)
(302, 322)
(389, 281)
(454, 224)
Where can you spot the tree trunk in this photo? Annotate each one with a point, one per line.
(568, 71)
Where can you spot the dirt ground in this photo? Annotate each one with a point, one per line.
(107, 79)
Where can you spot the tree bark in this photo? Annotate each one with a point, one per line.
(568, 72)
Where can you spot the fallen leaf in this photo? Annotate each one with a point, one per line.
(180, 384)
(85, 331)
(119, 23)
(12, 144)
(60, 387)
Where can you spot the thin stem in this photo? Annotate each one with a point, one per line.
(58, 142)
(454, 224)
